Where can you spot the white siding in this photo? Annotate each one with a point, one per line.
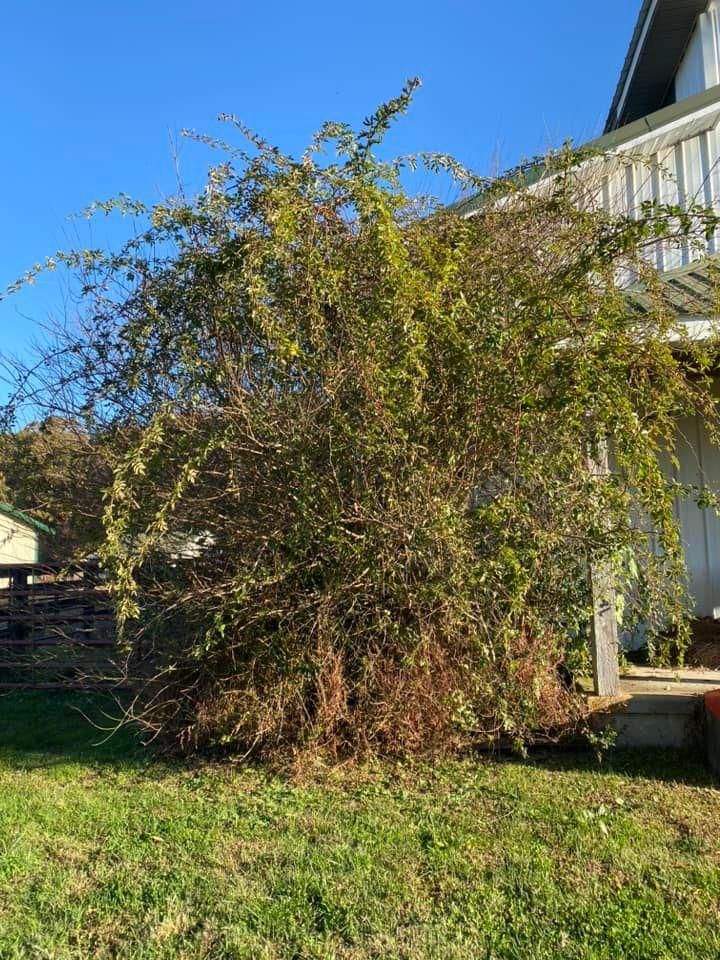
(690, 78)
(647, 187)
(18, 541)
(700, 66)
(679, 166)
(713, 183)
(699, 464)
(680, 173)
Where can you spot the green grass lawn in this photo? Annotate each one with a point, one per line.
(107, 853)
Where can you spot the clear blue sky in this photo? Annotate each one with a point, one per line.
(92, 93)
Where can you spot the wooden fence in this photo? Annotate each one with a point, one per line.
(56, 627)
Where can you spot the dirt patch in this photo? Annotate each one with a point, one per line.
(704, 650)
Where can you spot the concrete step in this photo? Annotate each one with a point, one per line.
(659, 708)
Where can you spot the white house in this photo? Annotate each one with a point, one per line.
(662, 142)
(21, 537)
(667, 108)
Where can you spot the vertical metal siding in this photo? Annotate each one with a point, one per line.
(699, 465)
(679, 175)
(713, 163)
(690, 77)
(712, 47)
(700, 66)
(670, 187)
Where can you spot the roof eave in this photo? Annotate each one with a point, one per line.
(661, 36)
(633, 49)
(655, 121)
(26, 519)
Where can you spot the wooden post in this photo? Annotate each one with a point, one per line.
(604, 632)
(604, 625)
(17, 604)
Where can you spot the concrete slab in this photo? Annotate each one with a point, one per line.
(690, 676)
(660, 708)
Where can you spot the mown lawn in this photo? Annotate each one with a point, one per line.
(107, 853)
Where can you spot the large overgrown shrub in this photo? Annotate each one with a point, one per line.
(350, 504)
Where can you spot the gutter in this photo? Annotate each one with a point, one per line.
(629, 135)
(657, 120)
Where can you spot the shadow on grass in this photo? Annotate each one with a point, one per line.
(46, 728)
(668, 766)
(40, 729)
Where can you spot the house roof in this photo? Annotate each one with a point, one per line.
(692, 291)
(24, 518)
(662, 33)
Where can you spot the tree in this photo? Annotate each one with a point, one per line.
(56, 470)
(349, 503)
